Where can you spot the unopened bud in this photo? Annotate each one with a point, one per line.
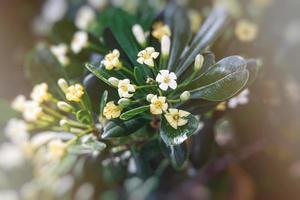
(124, 102)
(63, 85)
(114, 81)
(199, 60)
(185, 96)
(63, 122)
(65, 107)
(149, 97)
(150, 81)
(139, 34)
(165, 45)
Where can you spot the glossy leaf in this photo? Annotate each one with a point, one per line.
(133, 112)
(90, 147)
(119, 128)
(99, 73)
(177, 155)
(103, 101)
(172, 136)
(222, 89)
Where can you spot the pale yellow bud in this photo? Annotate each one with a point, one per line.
(149, 97)
(124, 102)
(65, 107)
(185, 96)
(63, 85)
(199, 60)
(114, 81)
(165, 45)
(139, 34)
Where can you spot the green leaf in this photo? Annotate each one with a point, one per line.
(99, 73)
(172, 136)
(221, 69)
(133, 112)
(103, 101)
(139, 75)
(84, 116)
(119, 128)
(222, 89)
(177, 155)
(120, 25)
(42, 66)
(176, 17)
(208, 33)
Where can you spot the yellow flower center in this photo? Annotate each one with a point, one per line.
(167, 79)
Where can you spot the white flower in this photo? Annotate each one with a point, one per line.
(60, 52)
(160, 29)
(158, 105)
(84, 17)
(165, 45)
(241, 99)
(112, 111)
(32, 111)
(16, 131)
(112, 60)
(125, 89)
(147, 56)
(11, 156)
(98, 4)
(139, 34)
(54, 10)
(177, 117)
(18, 103)
(166, 80)
(80, 41)
(40, 93)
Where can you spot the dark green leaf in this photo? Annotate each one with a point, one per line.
(119, 128)
(176, 154)
(133, 112)
(103, 101)
(208, 33)
(176, 17)
(139, 76)
(222, 89)
(172, 136)
(99, 73)
(221, 69)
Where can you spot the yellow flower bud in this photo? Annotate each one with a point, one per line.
(185, 96)
(75, 92)
(199, 60)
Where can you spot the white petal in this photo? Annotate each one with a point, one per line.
(159, 78)
(173, 85)
(164, 72)
(149, 62)
(173, 75)
(140, 60)
(163, 86)
(155, 55)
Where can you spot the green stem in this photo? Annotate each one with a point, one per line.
(70, 142)
(52, 112)
(145, 86)
(127, 71)
(161, 168)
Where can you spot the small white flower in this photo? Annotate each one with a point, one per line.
(40, 93)
(147, 56)
(60, 51)
(80, 41)
(165, 45)
(84, 17)
(56, 149)
(18, 103)
(139, 34)
(112, 60)
(166, 80)
(32, 111)
(177, 117)
(125, 89)
(158, 105)
(16, 131)
(241, 99)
